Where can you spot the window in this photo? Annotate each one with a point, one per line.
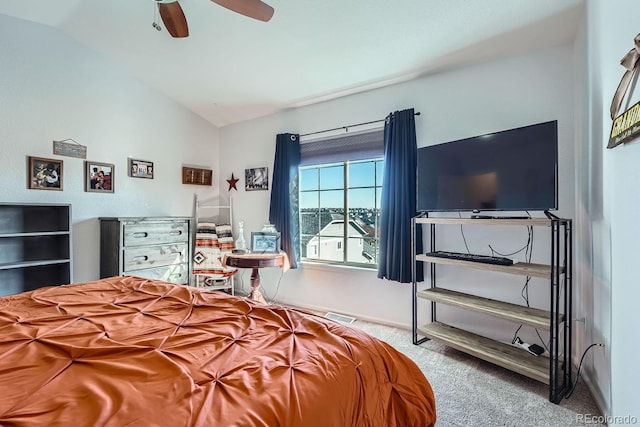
(327, 192)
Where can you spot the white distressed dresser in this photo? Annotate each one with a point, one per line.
(150, 247)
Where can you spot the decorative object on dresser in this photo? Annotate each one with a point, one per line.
(140, 169)
(197, 176)
(99, 177)
(150, 247)
(35, 246)
(45, 174)
(554, 370)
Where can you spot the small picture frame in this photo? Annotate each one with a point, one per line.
(256, 179)
(197, 176)
(140, 169)
(99, 177)
(45, 174)
(265, 242)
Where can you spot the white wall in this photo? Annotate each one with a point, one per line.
(592, 267)
(612, 27)
(52, 88)
(497, 95)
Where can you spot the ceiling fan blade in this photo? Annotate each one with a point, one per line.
(252, 8)
(173, 19)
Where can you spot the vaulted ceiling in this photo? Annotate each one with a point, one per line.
(233, 68)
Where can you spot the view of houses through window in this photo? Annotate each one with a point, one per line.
(329, 191)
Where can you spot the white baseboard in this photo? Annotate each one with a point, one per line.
(600, 400)
(320, 310)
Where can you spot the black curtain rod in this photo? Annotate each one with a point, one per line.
(351, 126)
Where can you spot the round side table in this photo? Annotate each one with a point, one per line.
(255, 261)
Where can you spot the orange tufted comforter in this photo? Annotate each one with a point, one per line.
(127, 351)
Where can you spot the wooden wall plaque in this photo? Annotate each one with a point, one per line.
(197, 176)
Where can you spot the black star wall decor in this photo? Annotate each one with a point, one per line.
(232, 183)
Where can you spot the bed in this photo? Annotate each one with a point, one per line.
(128, 351)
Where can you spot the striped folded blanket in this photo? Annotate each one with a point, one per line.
(212, 242)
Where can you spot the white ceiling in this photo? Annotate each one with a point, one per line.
(232, 68)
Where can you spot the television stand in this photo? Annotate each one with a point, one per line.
(554, 316)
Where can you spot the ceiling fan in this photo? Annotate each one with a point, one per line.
(176, 23)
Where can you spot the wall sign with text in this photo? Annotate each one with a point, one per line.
(625, 126)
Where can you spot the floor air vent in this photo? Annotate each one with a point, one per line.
(340, 317)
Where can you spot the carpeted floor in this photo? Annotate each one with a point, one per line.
(472, 392)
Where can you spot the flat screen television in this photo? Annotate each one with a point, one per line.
(510, 170)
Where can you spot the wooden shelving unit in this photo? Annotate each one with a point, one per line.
(35, 246)
(554, 370)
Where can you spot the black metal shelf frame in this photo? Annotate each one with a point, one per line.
(560, 330)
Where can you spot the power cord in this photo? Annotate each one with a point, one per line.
(580, 367)
(528, 251)
(242, 281)
(273, 300)
(464, 239)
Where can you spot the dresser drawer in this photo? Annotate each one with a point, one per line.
(178, 273)
(150, 233)
(136, 258)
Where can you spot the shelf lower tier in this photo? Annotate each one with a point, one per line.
(509, 357)
(27, 277)
(35, 263)
(512, 312)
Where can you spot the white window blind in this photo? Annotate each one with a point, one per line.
(348, 147)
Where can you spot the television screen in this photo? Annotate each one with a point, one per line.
(511, 170)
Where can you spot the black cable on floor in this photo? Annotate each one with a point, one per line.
(579, 367)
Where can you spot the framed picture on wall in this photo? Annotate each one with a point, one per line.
(256, 179)
(45, 174)
(98, 177)
(140, 169)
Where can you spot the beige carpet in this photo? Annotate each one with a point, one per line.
(472, 392)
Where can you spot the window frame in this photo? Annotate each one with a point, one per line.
(346, 188)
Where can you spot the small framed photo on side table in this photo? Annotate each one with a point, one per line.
(265, 242)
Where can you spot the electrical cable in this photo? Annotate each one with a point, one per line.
(242, 281)
(528, 248)
(273, 300)
(528, 252)
(464, 239)
(579, 367)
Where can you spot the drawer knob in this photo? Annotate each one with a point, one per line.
(141, 258)
(140, 234)
(176, 232)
